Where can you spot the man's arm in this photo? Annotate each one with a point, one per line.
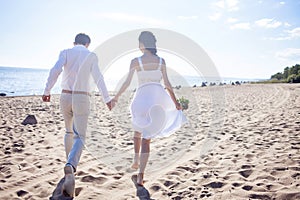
(99, 80)
(53, 75)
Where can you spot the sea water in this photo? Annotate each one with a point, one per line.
(27, 81)
(24, 81)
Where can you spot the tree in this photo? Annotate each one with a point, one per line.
(291, 78)
(277, 76)
(289, 75)
(286, 73)
(294, 69)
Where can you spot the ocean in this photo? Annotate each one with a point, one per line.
(27, 81)
(24, 81)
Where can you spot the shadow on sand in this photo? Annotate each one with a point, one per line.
(58, 193)
(141, 192)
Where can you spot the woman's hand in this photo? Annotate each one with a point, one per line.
(115, 99)
(178, 105)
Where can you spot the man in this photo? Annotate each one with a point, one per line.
(80, 65)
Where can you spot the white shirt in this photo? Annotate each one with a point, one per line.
(80, 70)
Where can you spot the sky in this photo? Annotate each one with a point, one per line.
(244, 38)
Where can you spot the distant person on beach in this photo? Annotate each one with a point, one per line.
(155, 113)
(78, 65)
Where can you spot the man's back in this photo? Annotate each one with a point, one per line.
(74, 59)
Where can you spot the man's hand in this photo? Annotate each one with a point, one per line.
(46, 98)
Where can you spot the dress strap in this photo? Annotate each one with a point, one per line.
(140, 63)
(160, 63)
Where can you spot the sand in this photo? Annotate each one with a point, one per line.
(242, 142)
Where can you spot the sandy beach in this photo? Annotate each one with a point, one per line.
(241, 142)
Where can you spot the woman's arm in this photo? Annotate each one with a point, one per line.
(127, 82)
(168, 85)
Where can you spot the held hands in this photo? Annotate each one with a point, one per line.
(46, 98)
(111, 104)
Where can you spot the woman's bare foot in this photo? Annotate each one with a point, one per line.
(140, 179)
(135, 166)
(136, 160)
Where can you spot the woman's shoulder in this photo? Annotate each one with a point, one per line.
(136, 59)
(134, 62)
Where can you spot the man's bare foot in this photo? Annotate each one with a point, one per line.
(69, 184)
(135, 166)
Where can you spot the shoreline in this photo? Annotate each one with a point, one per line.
(174, 87)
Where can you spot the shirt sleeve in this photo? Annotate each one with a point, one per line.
(55, 72)
(99, 79)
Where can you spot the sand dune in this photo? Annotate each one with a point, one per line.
(242, 142)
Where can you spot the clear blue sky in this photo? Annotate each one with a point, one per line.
(244, 38)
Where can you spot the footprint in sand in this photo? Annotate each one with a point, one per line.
(168, 183)
(205, 193)
(155, 188)
(259, 196)
(21, 193)
(90, 178)
(236, 184)
(78, 190)
(246, 173)
(215, 184)
(247, 187)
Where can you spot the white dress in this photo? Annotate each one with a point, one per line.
(153, 112)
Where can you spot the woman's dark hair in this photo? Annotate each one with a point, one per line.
(82, 38)
(149, 41)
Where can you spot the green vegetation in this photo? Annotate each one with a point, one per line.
(184, 103)
(289, 75)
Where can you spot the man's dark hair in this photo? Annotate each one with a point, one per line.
(82, 38)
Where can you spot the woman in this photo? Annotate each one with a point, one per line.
(155, 113)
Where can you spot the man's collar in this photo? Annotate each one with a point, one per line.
(79, 46)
